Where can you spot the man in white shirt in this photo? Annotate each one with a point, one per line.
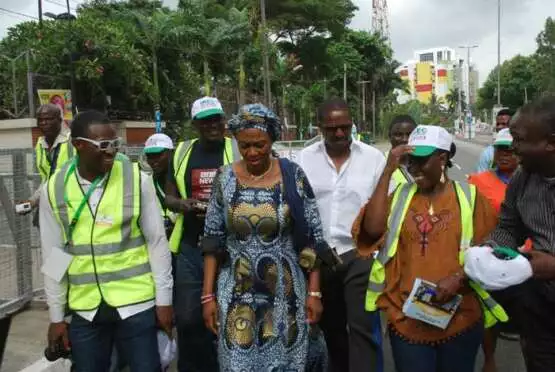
(106, 254)
(343, 173)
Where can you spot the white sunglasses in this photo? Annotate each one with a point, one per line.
(104, 145)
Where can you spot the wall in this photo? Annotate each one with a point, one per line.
(16, 133)
(23, 133)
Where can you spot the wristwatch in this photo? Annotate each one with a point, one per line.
(315, 294)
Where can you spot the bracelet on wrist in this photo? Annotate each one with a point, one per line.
(207, 298)
(315, 294)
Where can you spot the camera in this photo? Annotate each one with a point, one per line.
(57, 352)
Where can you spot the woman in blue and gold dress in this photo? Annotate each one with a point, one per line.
(262, 243)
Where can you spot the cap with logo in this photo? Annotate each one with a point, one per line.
(503, 138)
(157, 143)
(496, 269)
(425, 139)
(205, 107)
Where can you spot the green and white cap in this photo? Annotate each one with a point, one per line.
(428, 138)
(503, 138)
(158, 143)
(205, 107)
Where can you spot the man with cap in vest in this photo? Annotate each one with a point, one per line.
(53, 148)
(106, 254)
(192, 171)
(158, 151)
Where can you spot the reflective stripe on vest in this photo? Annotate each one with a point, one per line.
(399, 177)
(180, 161)
(466, 195)
(65, 152)
(111, 260)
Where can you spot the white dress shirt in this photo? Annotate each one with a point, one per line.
(341, 194)
(151, 225)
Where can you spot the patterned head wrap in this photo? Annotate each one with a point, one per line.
(256, 116)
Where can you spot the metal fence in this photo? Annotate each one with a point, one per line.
(20, 258)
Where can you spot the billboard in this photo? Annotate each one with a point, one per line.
(59, 97)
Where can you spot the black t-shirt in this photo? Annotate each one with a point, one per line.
(202, 166)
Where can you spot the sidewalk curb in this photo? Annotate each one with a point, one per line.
(43, 365)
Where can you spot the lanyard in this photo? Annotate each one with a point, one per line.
(161, 196)
(84, 201)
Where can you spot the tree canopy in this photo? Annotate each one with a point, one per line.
(140, 53)
(523, 77)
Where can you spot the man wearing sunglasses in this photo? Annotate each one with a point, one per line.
(53, 148)
(106, 254)
(192, 171)
(343, 173)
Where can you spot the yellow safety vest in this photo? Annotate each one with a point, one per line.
(110, 256)
(65, 152)
(180, 161)
(466, 195)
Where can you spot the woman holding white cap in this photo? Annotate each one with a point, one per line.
(418, 233)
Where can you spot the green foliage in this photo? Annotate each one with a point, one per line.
(140, 53)
(523, 76)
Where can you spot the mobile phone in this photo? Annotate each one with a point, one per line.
(23, 207)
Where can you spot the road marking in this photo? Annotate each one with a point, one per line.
(457, 166)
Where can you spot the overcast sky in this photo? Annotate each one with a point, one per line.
(414, 24)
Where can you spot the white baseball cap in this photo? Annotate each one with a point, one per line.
(205, 107)
(157, 143)
(494, 273)
(428, 138)
(503, 138)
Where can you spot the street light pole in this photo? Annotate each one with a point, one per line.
(267, 81)
(363, 86)
(499, 53)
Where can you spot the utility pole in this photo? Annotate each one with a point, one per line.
(499, 53)
(459, 85)
(67, 5)
(345, 82)
(363, 86)
(266, 58)
(30, 95)
(40, 12)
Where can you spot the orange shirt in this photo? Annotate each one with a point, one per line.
(428, 249)
(489, 185)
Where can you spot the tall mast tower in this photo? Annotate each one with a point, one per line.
(380, 18)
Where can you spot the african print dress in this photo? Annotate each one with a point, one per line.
(261, 288)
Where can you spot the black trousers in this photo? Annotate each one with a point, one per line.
(531, 309)
(346, 324)
(4, 330)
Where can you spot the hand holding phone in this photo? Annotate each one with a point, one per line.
(23, 208)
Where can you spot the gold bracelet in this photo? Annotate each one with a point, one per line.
(315, 294)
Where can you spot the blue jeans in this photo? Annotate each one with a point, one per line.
(456, 355)
(197, 346)
(135, 337)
